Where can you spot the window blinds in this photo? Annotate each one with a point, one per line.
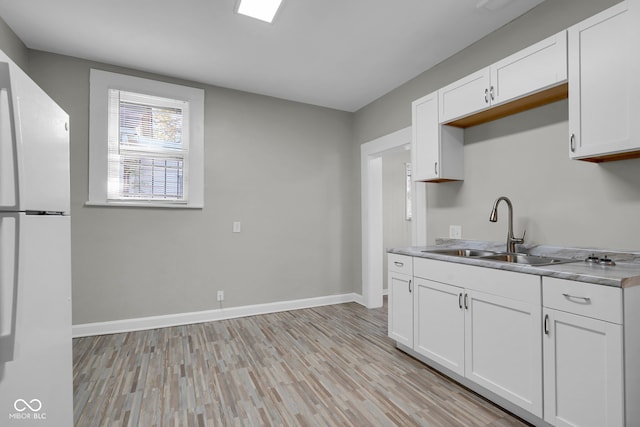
(148, 147)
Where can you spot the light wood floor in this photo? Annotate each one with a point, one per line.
(331, 365)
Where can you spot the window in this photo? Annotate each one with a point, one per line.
(148, 150)
(146, 142)
(408, 211)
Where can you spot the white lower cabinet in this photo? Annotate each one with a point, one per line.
(583, 371)
(439, 323)
(484, 325)
(506, 334)
(400, 298)
(503, 350)
(490, 340)
(583, 355)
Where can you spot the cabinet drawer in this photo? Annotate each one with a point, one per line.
(400, 264)
(507, 284)
(585, 299)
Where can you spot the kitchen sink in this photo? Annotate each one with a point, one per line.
(460, 252)
(526, 259)
(514, 258)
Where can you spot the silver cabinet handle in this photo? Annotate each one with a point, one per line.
(409, 286)
(466, 301)
(435, 168)
(546, 324)
(586, 300)
(573, 142)
(399, 264)
(491, 93)
(460, 300)
(486, 96)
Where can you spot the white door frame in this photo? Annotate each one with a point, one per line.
(371, 202)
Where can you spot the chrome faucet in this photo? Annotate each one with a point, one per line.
(493, 217)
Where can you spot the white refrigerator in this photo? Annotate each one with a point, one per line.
(35, 255)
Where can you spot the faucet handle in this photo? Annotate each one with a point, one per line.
(521, 239)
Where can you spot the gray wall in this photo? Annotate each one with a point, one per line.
(557, 200)
(290, 172)
(13, 46)
(281, 168)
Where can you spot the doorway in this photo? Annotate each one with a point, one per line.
(373, 257)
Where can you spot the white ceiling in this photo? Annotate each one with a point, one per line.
(340, 54)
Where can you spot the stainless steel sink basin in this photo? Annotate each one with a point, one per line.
(515, 258)
(460, 252)
(526, 259)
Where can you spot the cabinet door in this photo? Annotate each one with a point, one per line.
(400, 311)
(582, 371)
(439, 323)
(603, 84)
(503, 348)
(530, 70)
(426, 145)
(465, 96)
(437, 151)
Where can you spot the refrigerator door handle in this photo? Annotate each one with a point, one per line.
(8, 147)
(9, 279)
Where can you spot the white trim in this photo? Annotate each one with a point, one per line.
(179, 319)
(141, 204)
(371, 198)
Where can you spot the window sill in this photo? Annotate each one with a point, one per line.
(139, 204)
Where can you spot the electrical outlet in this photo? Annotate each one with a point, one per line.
(236, 226)
(220, 295)
(455, 231)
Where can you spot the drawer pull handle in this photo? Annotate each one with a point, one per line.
(586, 300)
(573, 142)
(546, 324)
(399, 264)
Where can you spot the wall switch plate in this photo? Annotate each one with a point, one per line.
(220, 295)
(236, 226)
(455, 231)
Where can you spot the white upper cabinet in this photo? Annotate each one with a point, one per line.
(604, 66)
(531, 70)
(437, 150)
(529, 78)
(466, 96)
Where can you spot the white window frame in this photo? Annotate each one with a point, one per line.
(100, 83)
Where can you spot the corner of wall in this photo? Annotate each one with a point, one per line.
(11, 44)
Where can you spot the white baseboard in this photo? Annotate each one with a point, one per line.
(153, 322)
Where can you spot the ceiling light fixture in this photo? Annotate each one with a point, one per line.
(264, 10)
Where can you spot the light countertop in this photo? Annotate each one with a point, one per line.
(624, 274)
